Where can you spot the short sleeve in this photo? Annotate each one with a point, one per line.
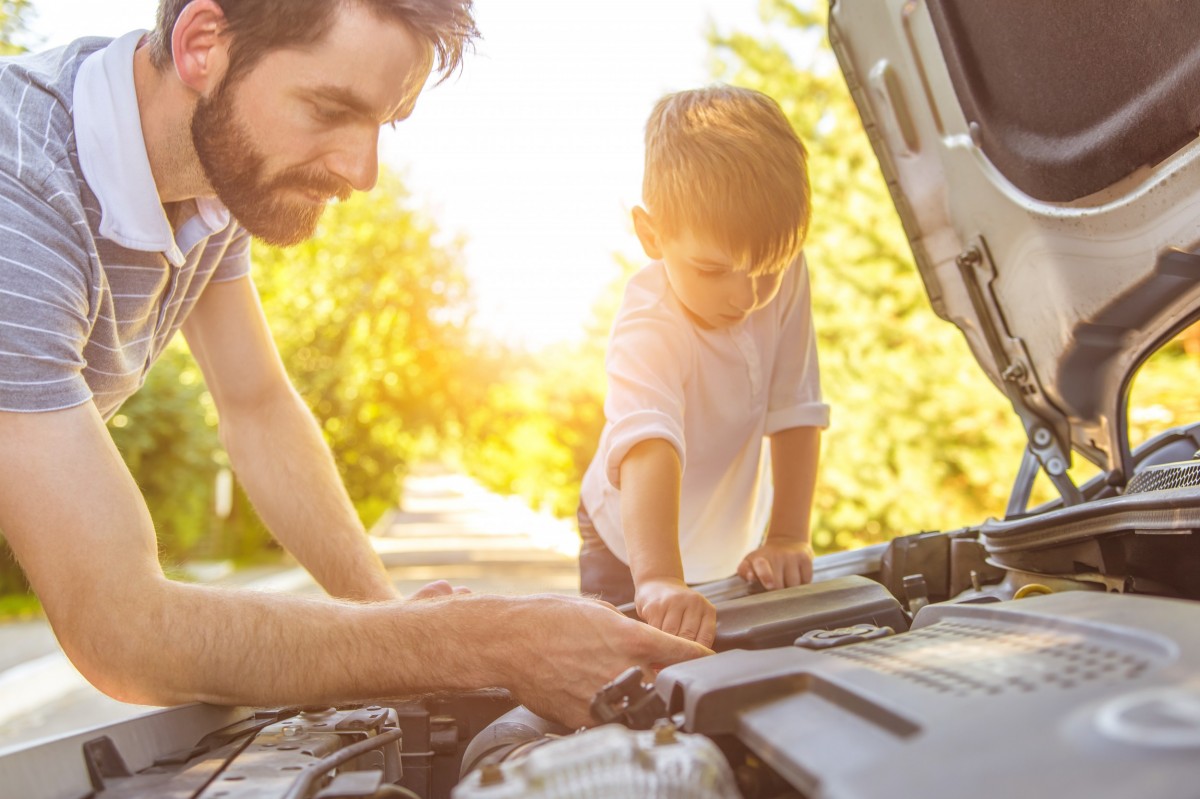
(45, 297)
(648, 362)
(235, 261)
(795, 398)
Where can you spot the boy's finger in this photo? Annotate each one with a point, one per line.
(766, 576)
(806, 571)
(672, 620)
(791, 576)
(692, 624)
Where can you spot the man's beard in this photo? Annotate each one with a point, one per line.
(235, 169)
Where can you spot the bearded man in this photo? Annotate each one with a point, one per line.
(133, 174)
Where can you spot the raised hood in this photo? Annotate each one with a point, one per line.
(1044, 161)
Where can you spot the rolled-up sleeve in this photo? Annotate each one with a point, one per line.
(649, 358)
(795, 398)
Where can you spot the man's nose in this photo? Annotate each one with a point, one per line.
(356, 161)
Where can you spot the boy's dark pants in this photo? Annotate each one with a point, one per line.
(601, 573)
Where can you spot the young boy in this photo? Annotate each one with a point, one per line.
(712, 350)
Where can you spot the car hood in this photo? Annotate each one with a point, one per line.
(1044, 162)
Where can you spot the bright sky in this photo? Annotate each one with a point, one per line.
(534, 152)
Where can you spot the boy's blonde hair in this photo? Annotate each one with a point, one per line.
(724, 163)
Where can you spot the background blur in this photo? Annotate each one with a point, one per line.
(458, 314)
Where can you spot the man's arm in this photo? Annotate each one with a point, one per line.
(78, 525)
(786, 558)
(650, 485)
(276, 447)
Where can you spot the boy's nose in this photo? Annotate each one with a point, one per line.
(744, 296)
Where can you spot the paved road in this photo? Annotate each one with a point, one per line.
(449, 527)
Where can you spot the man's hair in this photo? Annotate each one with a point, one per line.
(724, 163)
(257, 27)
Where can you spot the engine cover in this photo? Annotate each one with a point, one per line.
(1062, 695)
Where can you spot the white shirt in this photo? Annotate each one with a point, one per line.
(112, 155)
(714, 395)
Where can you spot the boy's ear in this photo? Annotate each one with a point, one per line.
(199, 46)
(643, 225)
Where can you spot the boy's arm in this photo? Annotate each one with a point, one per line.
(650, 485)
(786, 558)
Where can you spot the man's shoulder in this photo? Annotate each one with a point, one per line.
(36, 110)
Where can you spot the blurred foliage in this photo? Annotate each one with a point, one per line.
(371, 317)
(13, 14)
(532, 426)
(1162, 396)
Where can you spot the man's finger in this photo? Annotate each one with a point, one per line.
(708, 629)
(435, 589)
(665, 650)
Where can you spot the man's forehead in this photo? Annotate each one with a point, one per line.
(372, 67)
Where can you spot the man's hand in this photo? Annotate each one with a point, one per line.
(779, 563)
(438, 588)
(672, 607)
(575, 647)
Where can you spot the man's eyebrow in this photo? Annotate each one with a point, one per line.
(356, 104)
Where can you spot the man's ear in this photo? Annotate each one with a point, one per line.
(199, 46)
(643, 226)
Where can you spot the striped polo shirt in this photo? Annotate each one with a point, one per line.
(94, 281)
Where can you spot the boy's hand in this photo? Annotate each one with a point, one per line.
(669, 605)
(781, 563)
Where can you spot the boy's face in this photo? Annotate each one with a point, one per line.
(716, 290)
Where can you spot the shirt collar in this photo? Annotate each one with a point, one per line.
(112, 155)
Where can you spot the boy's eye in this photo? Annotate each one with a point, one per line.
(329, 115)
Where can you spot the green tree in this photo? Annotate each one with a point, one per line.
(371, 318)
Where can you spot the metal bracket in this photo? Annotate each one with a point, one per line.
(1048, 430)
(103, 761)
(629, 701)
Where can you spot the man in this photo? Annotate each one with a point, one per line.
(132, 174)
